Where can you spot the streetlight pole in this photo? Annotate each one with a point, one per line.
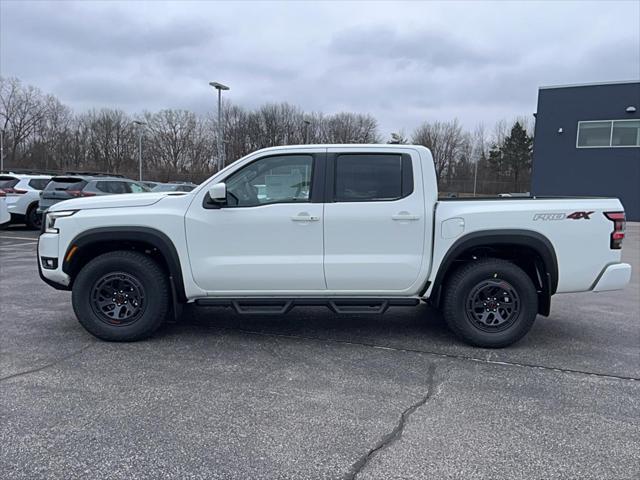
(221, 159)
(306, 131)
(140, 125)
(1, 149)
(475, 176)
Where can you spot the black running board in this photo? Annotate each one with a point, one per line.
(279, 306)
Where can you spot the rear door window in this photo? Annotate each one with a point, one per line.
(113, 187)
(138, 188)
(372, 177)
(38, 183)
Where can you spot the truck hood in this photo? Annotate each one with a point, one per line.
(111, 201)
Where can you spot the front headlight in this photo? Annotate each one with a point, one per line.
(51, 217)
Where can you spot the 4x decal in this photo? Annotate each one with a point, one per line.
(579, 215)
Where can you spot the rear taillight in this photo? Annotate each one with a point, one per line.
(619, 223)
(2, 194)
(15, 191)
(80, 193)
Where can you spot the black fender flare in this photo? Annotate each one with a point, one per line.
(492, 238)
(147, 235)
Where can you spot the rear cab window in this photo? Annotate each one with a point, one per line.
(372, 177)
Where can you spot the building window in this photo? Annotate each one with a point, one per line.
(608, 133)
(626, 134)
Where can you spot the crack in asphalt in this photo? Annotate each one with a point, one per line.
(395, 434)
(438, 354)
(48, 365)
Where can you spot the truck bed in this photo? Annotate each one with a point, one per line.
(575, 226)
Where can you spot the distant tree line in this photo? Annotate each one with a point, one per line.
(39, 132)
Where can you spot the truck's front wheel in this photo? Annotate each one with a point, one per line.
(490, 303)
(121, 296)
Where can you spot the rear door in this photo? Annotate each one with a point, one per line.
(374, 231)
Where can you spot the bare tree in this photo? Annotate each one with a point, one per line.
(349, 127)
(21, 109)
(446, 140)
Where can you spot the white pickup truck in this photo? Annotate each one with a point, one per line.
(357, 228)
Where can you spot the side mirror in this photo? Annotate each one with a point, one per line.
(218, 192)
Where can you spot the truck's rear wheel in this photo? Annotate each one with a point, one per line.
(490, 303)
(121, 296)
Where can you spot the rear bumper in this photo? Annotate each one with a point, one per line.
(613, 277)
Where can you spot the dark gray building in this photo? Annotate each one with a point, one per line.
(587, 142)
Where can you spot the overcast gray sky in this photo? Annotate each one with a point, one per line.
(402, 62)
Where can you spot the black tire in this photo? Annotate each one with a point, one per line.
(469, 310)
(33, 219)
(151, 298)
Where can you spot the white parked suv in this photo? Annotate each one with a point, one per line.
(22, 196)
(358, 228)
(5, 216)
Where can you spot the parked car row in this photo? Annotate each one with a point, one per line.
(26, 196)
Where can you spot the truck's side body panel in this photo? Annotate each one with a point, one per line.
(581, 241)
(166, 216)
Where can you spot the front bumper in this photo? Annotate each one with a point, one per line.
(613, 277)
(48, 247)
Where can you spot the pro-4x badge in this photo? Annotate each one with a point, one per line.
(579, 215)
(562, 216)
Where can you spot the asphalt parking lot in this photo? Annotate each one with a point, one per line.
(314, 395)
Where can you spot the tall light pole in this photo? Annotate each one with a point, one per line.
(1, 149)
(306, 130)
(475, 176)
(140, 125)
(220, 87)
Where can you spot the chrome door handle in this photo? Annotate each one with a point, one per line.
(405, 216)
(305, 218)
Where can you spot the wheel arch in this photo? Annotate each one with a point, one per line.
(527, 248)
(89, 244)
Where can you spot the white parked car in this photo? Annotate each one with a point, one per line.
(5, 216)
(357, 228)
(22, 196)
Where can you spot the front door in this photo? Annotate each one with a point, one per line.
(267, 237)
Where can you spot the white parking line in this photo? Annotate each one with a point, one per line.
(19, 238)
(17, 247)
(21, 242)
